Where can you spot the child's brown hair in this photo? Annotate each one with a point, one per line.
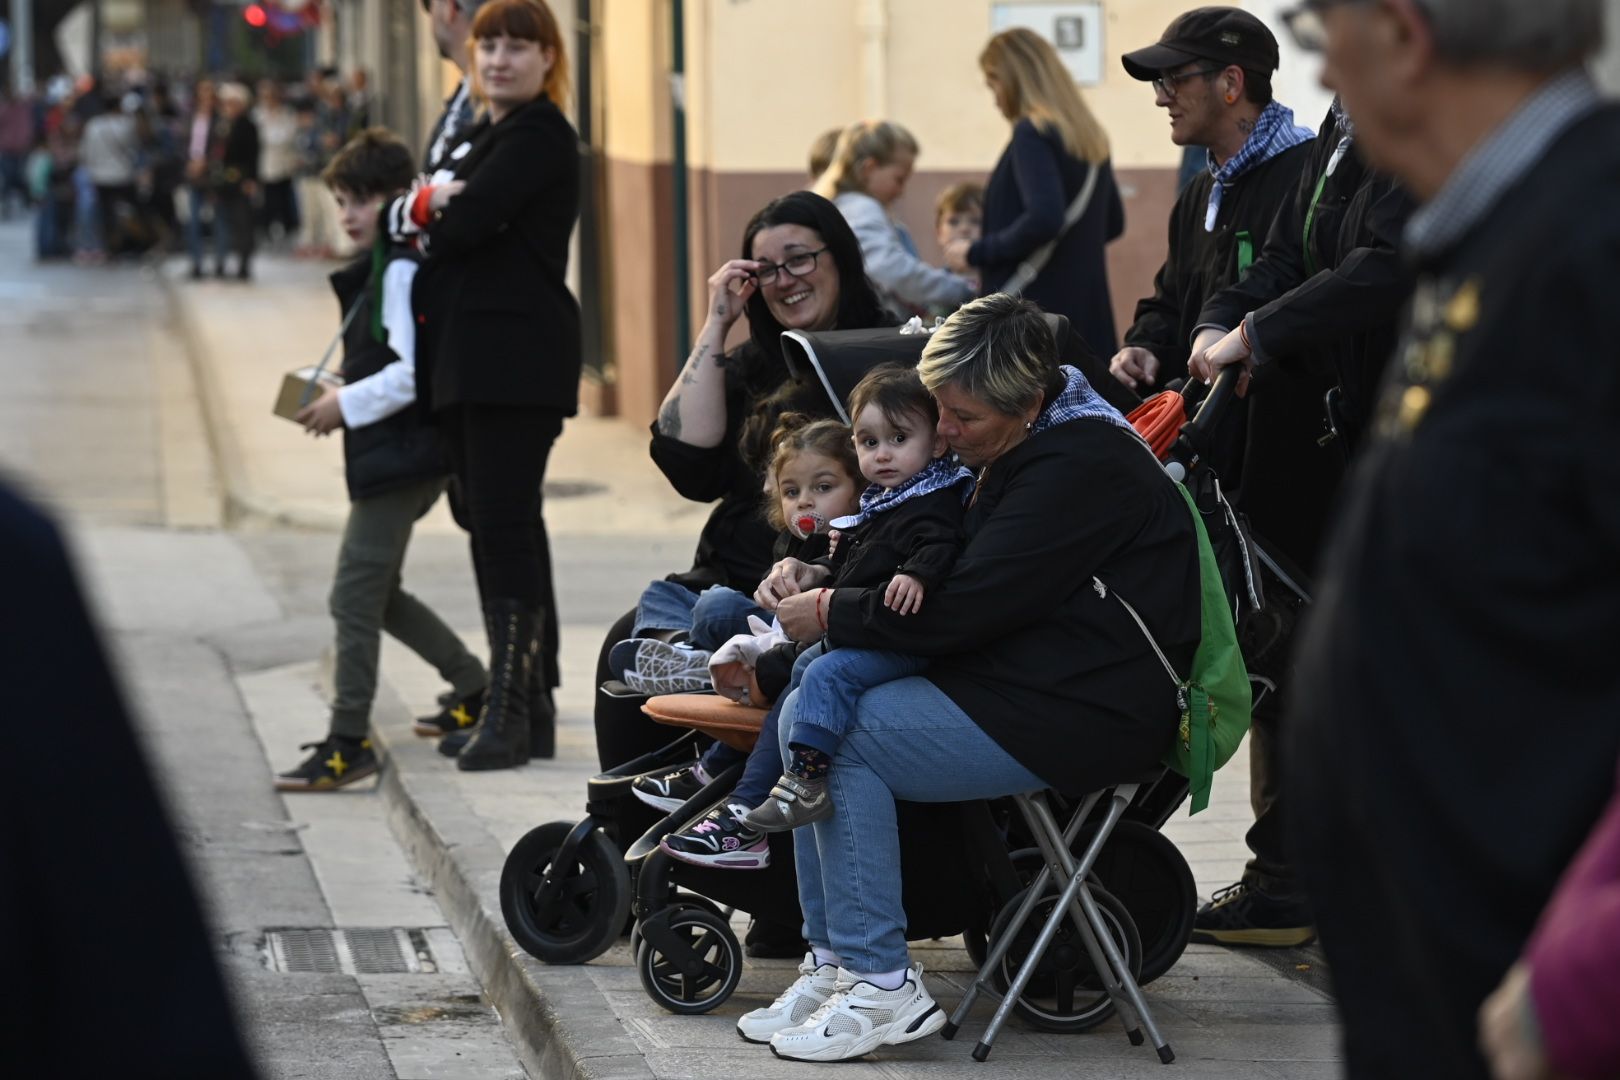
(798, 433)
(374, 162)
(897, 391)
(959, 199)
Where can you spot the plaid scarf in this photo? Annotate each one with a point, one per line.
(938, 475)
(1078, 401)
(1273, 133)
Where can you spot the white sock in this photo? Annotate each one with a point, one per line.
(825, 957)
(884, 980)
(701, 775)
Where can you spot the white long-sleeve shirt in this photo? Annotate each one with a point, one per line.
(895, 269)
(379, 396)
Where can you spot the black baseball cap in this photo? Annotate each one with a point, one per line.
(1226, 35)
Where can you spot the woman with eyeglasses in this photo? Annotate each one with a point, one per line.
(498, 352)
(800, 269)
(1057, 144)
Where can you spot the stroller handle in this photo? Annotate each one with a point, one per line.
(1221, 394)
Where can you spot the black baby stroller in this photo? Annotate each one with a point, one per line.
(568, 888)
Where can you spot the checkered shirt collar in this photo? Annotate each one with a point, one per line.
(1499, 162)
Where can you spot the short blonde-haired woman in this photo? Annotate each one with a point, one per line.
(1056, 144)
(871, 163)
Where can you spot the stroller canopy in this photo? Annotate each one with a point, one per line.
(839, 358)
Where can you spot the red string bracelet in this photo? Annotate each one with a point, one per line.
(821, 616)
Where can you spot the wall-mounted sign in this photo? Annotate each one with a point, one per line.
(1075, 30)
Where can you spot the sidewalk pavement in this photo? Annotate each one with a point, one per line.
(243, 338)
(1227, 1013)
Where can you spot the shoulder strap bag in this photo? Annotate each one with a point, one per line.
(1032, 266)
(1215, 698)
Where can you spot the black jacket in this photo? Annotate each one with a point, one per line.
(1201, 263)
(1460, 660)
(1059, 676)
(238, 152)
(396, 450)
(1335, 305)
(1029, 191)
(94, 781)
(496, 322)
(921, 538)
(735, 546)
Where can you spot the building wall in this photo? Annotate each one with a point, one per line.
(764, 77)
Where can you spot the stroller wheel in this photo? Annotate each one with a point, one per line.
(1066, 993)
(1146, 872)
(565, 913)
(686, 899)
(692, 963)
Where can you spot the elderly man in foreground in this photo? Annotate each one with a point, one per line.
(1462, 716)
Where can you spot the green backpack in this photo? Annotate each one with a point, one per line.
(1214, 698)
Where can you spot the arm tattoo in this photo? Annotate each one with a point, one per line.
(669, 418)
(695, 361)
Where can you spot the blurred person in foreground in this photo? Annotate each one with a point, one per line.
(1553, 1016)
(1459, 709)
(171, 1019)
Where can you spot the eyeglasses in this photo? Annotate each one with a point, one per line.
(1169, 85)
(794, 266)
(1305, 24)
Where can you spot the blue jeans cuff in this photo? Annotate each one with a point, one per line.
(803, 733)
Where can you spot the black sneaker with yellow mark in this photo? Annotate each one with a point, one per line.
(336, 762)
(458, 714)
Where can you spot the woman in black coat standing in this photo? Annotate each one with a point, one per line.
(498, 353)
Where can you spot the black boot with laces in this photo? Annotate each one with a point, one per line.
(501, 739)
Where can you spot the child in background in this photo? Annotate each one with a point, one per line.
(812, 480)
(394, 470)
(868, 174)
(908, 534)
(959, 215)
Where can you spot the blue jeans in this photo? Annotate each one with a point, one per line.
(196, 199)
(907, 741)
(764, 760)
(709, 618)
(830, 688)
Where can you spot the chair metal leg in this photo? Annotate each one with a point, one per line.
(998, 949)
(1062, 861)
(1075, 902)
(1132, 991)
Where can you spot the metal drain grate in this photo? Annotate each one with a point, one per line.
(354, 952)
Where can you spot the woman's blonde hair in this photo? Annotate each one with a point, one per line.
(997, 349)
(799, 433)
(1040, 89)
(523, 20)
(880, 140)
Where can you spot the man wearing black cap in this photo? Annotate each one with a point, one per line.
(1211, 71)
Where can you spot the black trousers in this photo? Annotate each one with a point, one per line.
(233, 208)
(1271, 870)
(498, 456)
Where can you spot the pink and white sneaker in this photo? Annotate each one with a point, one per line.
(720, 839)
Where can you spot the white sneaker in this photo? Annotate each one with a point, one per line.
(808, 993)
(859, 1018)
